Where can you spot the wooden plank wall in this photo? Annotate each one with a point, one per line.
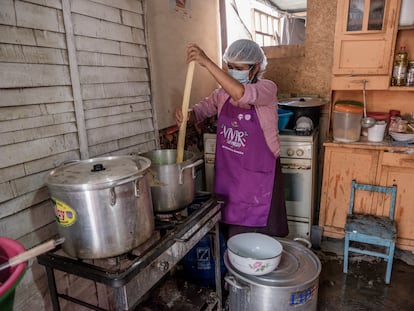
(74, 83)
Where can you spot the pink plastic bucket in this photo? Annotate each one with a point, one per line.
(10, 277)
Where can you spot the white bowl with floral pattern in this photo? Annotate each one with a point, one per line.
(254, 253)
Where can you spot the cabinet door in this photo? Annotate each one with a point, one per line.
(364, 37)
(341, 166)
(398, 169)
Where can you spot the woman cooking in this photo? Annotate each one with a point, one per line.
(248, 173)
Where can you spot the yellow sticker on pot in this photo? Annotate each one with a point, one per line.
(65, 215)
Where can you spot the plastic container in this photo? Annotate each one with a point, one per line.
(10, 277)
(283, 118)
(378, 116)
(347, 122)
(376, 133)
(199, 262)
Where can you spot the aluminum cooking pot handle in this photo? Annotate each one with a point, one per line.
(232, 282)
(306, 242)
(192, 166)
(137, 191)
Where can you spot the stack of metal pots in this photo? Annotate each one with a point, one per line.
(293, 285)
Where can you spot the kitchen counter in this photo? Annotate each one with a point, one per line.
(387, 145)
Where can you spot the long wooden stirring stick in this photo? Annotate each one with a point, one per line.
(33, 252)
(184, 109)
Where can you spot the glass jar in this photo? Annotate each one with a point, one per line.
(410, 73)
(399, 73)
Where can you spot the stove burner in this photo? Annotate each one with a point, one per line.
(132, 275)
(171, 217)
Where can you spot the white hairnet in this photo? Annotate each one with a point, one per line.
(245, 51)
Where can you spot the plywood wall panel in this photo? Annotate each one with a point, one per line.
(129, 5)
(7, 13)
(94, 91)
(39, 121)
(50, 162)
(100, 59)
(117, 110)
(11, 172)
(29, 220)
(50, 39)
(35, 149)
(18, 204)
(36, 133)
(96, 10)
(34, 55)
(13, 75)
(55, 108)
(29, 15)
(6, 192)
(138, 36)
(12, 113)
(113, 119)
(133, 49)
(97, 45)
(88, 74)
(91, 27)
(109, 102)
(28, 183)
(132, 19)
(57, 4)
(11, 34)
(117, 131)
(137, 149)
(29, 96)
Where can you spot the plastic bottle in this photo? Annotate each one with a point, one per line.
(399, 73)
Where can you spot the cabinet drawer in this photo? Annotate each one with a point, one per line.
(398, 159)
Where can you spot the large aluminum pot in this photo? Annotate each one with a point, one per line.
(103, 206)
(293, 285)
(172, 184)
(309, 107)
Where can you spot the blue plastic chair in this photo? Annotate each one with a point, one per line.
(371, 229)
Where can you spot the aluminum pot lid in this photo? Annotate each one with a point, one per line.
(302, 102)
(98, 173)
(298, 265)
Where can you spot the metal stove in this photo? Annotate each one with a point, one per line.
(129, 277)
(298, 157)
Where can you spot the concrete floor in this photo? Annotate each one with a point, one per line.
(363, 288)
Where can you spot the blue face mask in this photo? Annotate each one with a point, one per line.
(240, 75)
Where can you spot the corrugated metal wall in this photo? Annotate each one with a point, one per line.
(74, 83)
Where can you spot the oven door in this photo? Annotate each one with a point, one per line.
(297, 180)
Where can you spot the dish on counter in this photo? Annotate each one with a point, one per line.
(402, 136)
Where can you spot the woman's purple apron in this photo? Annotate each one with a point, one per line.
(244, 167)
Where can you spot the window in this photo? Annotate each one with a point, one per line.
(265, 27)
(268, 22)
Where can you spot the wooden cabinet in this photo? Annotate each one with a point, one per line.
(399, 169)
(365, 37)
(341, 166)
(374, 165)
